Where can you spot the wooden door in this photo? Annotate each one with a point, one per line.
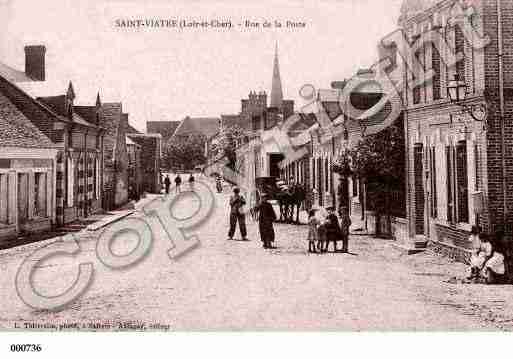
(23, 198)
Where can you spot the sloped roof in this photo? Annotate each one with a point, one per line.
(88, 113)
(17, 130)
(129, 142)
(165, 128)
(132, 130)
(207, 126)
(231, 120)
(13, 75)
(57, 104)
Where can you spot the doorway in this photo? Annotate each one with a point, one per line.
(23, 198)
(274, 164)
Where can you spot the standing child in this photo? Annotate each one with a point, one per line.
(313, 234)
(333, 230)
(345, 223)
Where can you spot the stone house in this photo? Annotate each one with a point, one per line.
(78, 177)
(28, 162)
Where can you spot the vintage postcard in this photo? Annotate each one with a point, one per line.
(334, 165)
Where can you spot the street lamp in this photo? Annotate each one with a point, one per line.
(457, 90)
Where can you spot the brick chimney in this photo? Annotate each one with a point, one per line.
(35, 62)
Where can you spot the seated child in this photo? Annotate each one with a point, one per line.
(478, 256)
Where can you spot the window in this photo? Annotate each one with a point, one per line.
(71, 183)
(418, 168)
(416, 73)
(355, 186)
(459, 48)
(477, 162)
(434, 200)
(450, 199)
(313, 172)
(95, 178)
(457, 183)
(40, 194)
(4, 198)
(436, 66)
(326, 175)
(462, 182)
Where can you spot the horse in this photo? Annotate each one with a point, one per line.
(290, 198)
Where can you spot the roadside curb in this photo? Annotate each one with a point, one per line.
(108, 220)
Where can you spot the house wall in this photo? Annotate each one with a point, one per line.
(433, 125)
(27, 191)
(150, 161)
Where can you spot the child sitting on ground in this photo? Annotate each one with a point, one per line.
(478, 256)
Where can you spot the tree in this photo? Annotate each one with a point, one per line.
(226, 142)
(378, 160)
(186, 153)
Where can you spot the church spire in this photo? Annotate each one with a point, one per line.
(276, 90)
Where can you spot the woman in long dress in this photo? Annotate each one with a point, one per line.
(266, 218)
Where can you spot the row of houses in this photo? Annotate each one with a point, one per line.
(457, 152)
(60, 161)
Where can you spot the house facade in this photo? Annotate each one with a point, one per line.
(150, 161)
(78, 188)
(116, 160)
(28, 163)
(459, 165)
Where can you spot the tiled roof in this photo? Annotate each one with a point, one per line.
(13, 75)
(88, 113)
(165, 128)
(57, 104)
(16, 130)
(231, 120)
(207, 126)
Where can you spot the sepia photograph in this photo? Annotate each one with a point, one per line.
(332, 166)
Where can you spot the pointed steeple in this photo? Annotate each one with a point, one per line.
(276, 90)
(98, 109)
(70, 94)
(98, 101)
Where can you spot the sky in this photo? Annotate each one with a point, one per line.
(169, 73)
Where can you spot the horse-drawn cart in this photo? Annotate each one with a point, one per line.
(289, 197)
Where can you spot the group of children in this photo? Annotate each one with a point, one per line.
(323, 230)
(487, 259)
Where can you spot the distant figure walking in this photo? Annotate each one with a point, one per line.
(266, 218)
(191, 182)
(178, 183)
(237, 215)
(167, 183)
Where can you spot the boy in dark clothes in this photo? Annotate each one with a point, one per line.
(333, 230)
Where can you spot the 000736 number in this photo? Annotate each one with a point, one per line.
(26, 347)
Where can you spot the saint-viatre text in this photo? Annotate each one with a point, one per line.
(173, 23)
